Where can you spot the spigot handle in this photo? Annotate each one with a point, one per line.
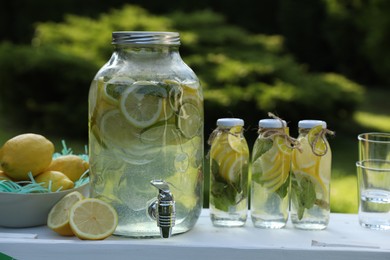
(163, 208)
(161, 185)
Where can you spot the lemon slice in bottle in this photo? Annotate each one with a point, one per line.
(281, 144)
(235, 141)
(304, 159)
(232, 166)
(317, 141)
(93, 219)
(141, 103)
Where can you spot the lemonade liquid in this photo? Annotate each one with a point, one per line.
(310, 181)
(229, 158)
(271, 158)
(146, 123)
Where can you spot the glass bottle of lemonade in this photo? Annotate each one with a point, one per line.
(311, 167)
(271, 159)
(229, 158)
(146, 123)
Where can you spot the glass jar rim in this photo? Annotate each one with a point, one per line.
(146, 38)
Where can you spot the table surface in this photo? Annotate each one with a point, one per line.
(343, 239)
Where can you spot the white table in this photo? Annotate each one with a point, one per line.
(343, 239)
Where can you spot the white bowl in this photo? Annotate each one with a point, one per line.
(28, 210)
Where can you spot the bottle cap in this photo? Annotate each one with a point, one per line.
(229, 122)
(272, 123)
(311, 123)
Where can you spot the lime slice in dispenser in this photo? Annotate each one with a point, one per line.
(114, 88)
(189, 120)
(117, 130)
(161, 133)
(141, 104)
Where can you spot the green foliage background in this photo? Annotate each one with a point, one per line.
(243, 74)
(325, 59)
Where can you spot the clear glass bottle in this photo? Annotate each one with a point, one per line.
(146, 123)
(229, 158)
(310, 180)
(271, 159)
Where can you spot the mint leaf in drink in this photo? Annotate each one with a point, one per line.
(223, 194)
(308, 196)
(303, 194)
(283, 190)
(152, 90)
(261, 146)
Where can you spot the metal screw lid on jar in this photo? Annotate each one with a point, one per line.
(311, 123)
(145, 38)
(229, 122)
(272, 123)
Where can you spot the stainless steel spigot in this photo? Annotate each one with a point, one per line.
(163, 208)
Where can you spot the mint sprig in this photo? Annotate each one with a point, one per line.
(225, 194)
(261, 147)
(303, 194)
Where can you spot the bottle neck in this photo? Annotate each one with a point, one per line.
(303, 131)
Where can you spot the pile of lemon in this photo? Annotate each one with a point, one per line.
(33, 153)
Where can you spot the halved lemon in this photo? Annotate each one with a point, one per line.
(58, 218)
(93, 219)
(141, 103)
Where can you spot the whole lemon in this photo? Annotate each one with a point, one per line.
(72, 166)
(58, 180)
(4, 176)
(26, 153)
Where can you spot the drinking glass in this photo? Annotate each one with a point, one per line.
(374, 193)
(374, 146)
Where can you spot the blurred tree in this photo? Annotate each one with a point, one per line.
(344, 36)
(243, 74)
